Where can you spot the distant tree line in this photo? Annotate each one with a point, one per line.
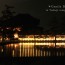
(26, 21)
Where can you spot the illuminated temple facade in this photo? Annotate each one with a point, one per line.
(43, 40)
(33, 39)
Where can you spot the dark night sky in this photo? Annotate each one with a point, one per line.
(34, 7)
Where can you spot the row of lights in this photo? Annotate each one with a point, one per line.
(50, 38)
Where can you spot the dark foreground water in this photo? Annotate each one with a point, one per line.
(32, 61)
(29, 50)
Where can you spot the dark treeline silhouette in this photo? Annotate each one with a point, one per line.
(28, 23)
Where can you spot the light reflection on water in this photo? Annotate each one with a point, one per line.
(26, 50)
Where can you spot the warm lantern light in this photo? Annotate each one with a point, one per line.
(15, 35)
